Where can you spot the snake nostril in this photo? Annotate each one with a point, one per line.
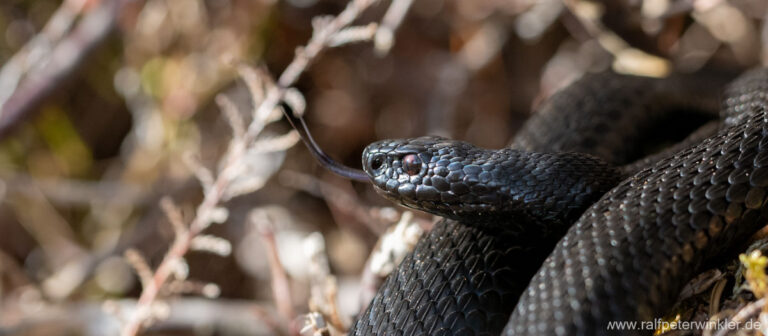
(376, 162)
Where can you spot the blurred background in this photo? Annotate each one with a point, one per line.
(104, 100)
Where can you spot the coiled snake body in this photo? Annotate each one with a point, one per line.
(630, 250)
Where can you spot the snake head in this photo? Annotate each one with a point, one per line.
(458, 180)
(445, 177)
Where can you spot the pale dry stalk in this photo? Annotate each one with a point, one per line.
(325, 29)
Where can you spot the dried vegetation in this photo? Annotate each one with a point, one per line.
(148, 185)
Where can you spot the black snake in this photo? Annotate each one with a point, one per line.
(641, 229)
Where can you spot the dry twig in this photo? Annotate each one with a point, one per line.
(63, 60)
(281, 287)
(232, 179)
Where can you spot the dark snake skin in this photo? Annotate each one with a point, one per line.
(628, 254)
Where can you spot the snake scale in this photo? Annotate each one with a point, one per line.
(562, 233)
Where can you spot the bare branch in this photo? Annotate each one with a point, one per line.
(281, 288)
(353, 35)
(222, 316)
(140, 265)
(220, 187)
(174, 216)
(384, 38)
(64, 60)
(234, 118)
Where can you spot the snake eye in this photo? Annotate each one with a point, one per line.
(376, 162)
(411, 164)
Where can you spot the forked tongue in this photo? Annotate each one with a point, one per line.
(325, 160)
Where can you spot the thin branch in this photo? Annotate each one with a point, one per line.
(627, 59)
(209, 211)
(174, 215)
(341, 200)
(64, 61)
(33, 53)
(222, 316)
(745, 313)
(384, 38)
(322, 35)
(281, 288)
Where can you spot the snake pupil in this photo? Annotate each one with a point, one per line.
(412, 164)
